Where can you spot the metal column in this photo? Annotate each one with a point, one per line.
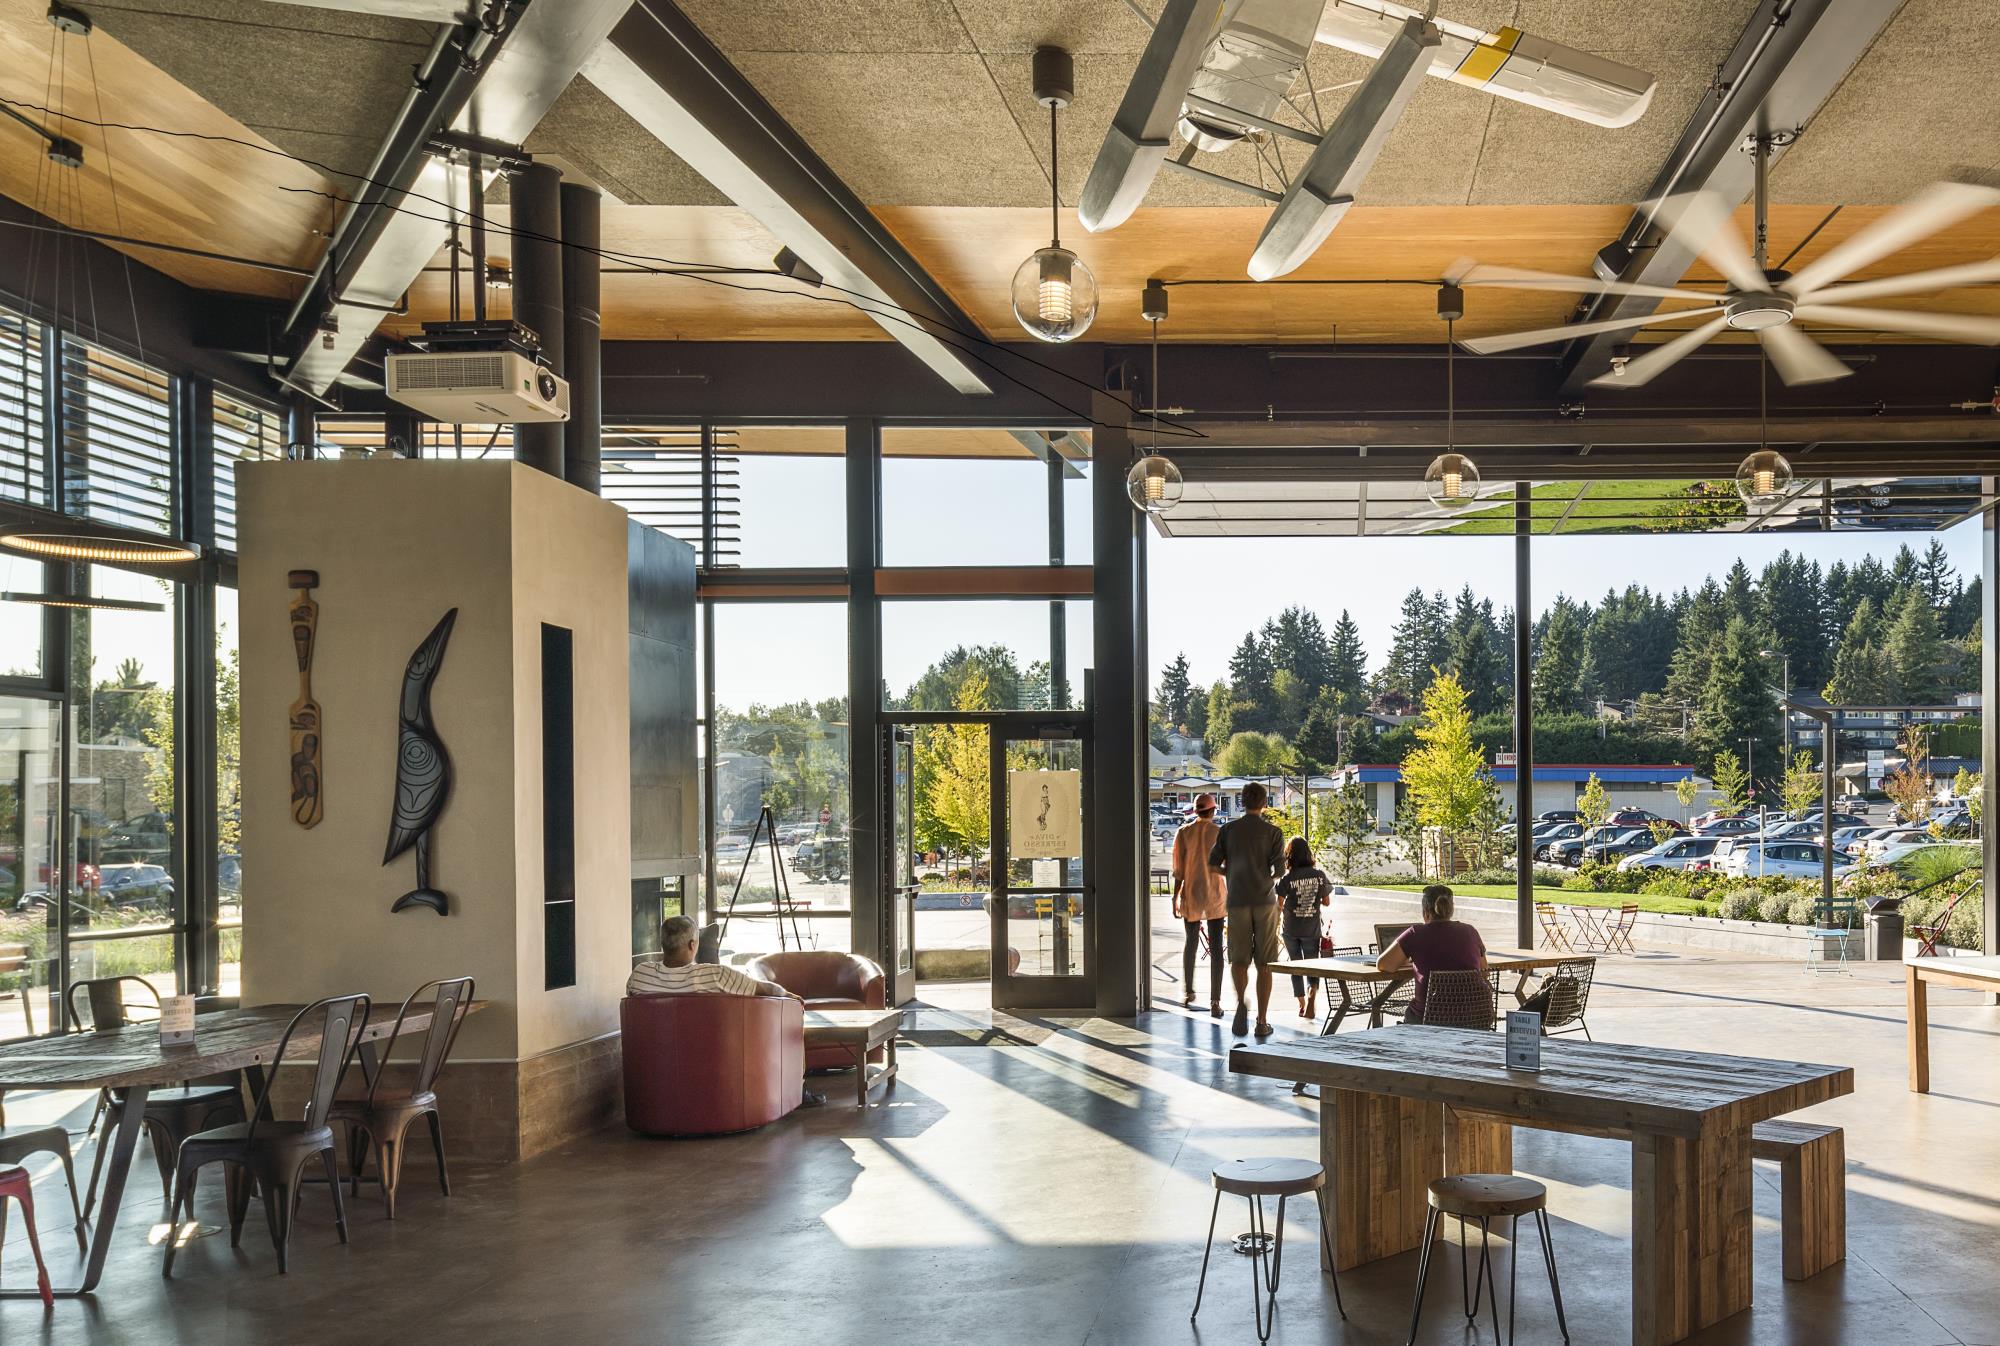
(582, 353)
(1524, 722)
(1117, 710)
(868, 791)
(538, 296)
(1989, 724)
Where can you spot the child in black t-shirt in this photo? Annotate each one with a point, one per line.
(1302, 891)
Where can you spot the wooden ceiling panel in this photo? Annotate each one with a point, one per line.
(171, 189)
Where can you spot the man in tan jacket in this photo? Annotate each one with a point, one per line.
(1200, 897)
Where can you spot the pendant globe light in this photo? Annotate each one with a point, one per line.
(1764, 478)
(1452, 479)
(1154, 483)
(1054, 294)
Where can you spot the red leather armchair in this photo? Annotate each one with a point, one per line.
(825, 979)
(698, 1065)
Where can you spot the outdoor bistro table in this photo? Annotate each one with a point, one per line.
(1345, 974)
(132, 1059)
(1401, 1106)
(1978, 974)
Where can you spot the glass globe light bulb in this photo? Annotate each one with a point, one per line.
(1763, 478)
(1154, 484)
(1054, 295)
(1452, 480)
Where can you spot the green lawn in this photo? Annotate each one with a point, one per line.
(1604, 507)
(1675, 906)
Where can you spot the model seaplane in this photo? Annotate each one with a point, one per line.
(1221, 71)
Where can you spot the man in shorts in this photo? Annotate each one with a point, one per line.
(1250, 852)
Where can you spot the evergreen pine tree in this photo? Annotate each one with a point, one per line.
(1860, 670)
(1558, 674)
(1347, 674)
(1253, 700)
(1914, 647)
(1473, 656)
(1934, 575)
(1738, 703)
(1176, 691)
(1417, 647)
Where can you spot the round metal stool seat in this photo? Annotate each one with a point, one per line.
(1482, 1196)
(1253, 1180)
(1486, 1197)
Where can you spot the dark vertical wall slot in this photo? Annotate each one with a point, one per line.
(558, 807)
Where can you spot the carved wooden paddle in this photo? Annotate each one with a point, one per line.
(306, 801)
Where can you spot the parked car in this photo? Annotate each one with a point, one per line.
(136, 885)
(1684, 852)
(1886, 838)
(1849, 838)
(1793, 859)
(1630, 841)
(1633, 817)
(1903, 850)
(1569, 852)
(1839, 819)
(1546, 842)
(1558, 816)
(1728, 826)
(1704, 821)
(823, 860)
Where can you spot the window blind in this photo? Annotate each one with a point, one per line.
(23, 451)
(244, 433)
(117, 439)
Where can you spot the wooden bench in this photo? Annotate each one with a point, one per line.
(1813, 1183)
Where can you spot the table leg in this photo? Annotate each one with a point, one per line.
(1380, 1154)
(123, 1142)
(861, 1074)
(1477, 1143)
(1335, 1014)
(1690, 1233)
(1917, 991)
(371, 1063)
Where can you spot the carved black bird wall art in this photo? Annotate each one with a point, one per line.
(423, 769)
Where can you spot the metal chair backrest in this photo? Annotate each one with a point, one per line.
(342, 1022)
(107, 1002)
(453, 1002)
(1461, 999)
(1568, 992)
(1833, 913)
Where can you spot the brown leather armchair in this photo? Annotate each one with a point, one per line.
(699, 1065)
(825, 979)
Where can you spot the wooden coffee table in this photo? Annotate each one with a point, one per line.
(861, 1032)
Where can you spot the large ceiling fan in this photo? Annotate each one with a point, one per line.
(1769, 302)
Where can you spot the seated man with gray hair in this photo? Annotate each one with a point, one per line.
(677, 972)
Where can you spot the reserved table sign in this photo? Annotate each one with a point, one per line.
(177, 1021)
(1524, 1040)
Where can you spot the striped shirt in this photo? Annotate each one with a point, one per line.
(690, 979)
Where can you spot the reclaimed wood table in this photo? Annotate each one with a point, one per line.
(132, 1059)
(860, 1031)
(1344, 974)
(1401, 1106)
(1919, 975)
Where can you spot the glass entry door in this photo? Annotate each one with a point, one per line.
(1043, 928)
(899, 887)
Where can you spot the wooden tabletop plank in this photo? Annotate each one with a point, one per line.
(1979, 972)
(1364, 969)
(223, 1041)
(1613, 1086)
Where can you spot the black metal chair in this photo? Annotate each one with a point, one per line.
(386, 1119)
(171, 1115)
(1396, 996)
(1462, 999)
(1563, 998)
(273, 1152)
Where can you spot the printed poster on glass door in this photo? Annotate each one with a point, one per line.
(1045, 814)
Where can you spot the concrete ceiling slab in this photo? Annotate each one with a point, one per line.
(817, 27)
(1922, 106)
(321, 84)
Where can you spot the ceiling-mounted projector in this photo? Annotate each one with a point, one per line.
(479, 373)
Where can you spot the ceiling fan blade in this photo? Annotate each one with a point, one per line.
(1798, 358)
(1703, 221)
(1919, 282)
(1516, 278)
(1642, 369)
(1963, 327)
(1938, 206)
(1510, 341)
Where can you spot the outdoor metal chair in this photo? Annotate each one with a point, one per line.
(17, 1143)
(15, 1185)
(1928, 933)
(1462, 999)
(1618, 930)
(385, 1119)
(171, 1115)
(1554, 933)
(1833, 919)
(1564, 997)
(273, 1152)
(1395, 998)
(15, 971)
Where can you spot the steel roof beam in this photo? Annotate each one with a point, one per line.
(1789, 61)
(668, 77)
(493, 84)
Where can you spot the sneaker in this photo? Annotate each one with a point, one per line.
(1241, 1023)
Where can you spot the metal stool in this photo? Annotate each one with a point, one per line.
(1255, 1179)
(1485, 1197)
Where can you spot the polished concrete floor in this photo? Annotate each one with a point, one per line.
(1045, 1182)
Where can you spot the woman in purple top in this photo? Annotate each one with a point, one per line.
(1440, 944)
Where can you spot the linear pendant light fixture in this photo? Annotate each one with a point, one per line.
(1054, 294)
(1154, 483)
(64, 542)
(84, 601)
